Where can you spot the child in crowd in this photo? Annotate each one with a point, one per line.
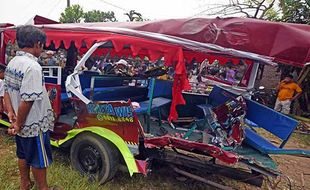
(2, 70)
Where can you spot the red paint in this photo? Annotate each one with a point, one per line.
(214, 151)
(56, 101)
(142, 166)
(128, 131)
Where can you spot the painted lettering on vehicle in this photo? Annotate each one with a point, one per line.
(107, 112)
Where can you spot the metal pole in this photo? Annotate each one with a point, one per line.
(68, 3)
(211, 183)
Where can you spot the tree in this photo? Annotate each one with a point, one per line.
(99, 16)
(72, 14)
(295, 11)
(248, 8)
(134, 16)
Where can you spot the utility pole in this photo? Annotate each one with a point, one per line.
(68, 3)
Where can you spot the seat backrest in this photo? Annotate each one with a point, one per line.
(85, 78)
(219, 96)
(274, 122)
(160, 88)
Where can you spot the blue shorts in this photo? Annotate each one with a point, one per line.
(36, 151)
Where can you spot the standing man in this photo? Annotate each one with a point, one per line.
(29, 108)
(288, 91)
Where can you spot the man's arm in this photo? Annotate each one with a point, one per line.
(9, 107)
(23, 111)
(298, 92)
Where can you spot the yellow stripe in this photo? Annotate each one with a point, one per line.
(131, 143)
(43, 149)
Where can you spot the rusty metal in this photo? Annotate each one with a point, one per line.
(198, 178)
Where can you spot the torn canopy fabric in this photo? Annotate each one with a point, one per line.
(155, 49)
(283, 42)
(153, 45)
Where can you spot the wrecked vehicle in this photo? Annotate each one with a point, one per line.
(108, 120)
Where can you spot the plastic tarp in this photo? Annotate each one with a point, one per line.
(86, 35)
(136, 43)
(284, 42)
(38, 20)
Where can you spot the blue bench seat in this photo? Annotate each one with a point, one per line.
(156, 103)
(134, 93)
(263, 145)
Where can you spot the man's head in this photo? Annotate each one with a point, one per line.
(31, 38)
(2, 69)
(49, 54)
(288, 78)
(12, 52)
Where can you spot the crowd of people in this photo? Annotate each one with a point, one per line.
(229, 72)
(46, 58)
(53, 58)
(125, 66)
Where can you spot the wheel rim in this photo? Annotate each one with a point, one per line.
(90, 160)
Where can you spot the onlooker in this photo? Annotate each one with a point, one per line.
(11, 56)
(230, 74)
(29, 108)
(2, 69)
(51, 61)
(288, 91)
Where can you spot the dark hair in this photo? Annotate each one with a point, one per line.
(2, 67)
(289, 76)
(27, 36)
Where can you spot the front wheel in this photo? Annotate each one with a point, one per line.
(94, 157)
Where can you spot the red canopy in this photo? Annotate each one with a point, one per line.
(5, 25)
(88, 34)
(133, 42)
(286, 43)
(42, 20)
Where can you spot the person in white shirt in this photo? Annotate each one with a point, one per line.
(29, 108)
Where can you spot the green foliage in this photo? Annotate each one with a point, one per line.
(134, 16)
(72, 14)
(271, 15)
(99, 16)
(295, 11)
(75, 14)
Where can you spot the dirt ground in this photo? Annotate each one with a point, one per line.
(296, 168)
(162, 178)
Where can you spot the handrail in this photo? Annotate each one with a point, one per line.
(48, 71)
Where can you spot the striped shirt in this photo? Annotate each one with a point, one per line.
(23, 81)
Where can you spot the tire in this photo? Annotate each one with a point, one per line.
(94, 157)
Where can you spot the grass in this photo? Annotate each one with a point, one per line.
(304, 139)
(61, 174)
